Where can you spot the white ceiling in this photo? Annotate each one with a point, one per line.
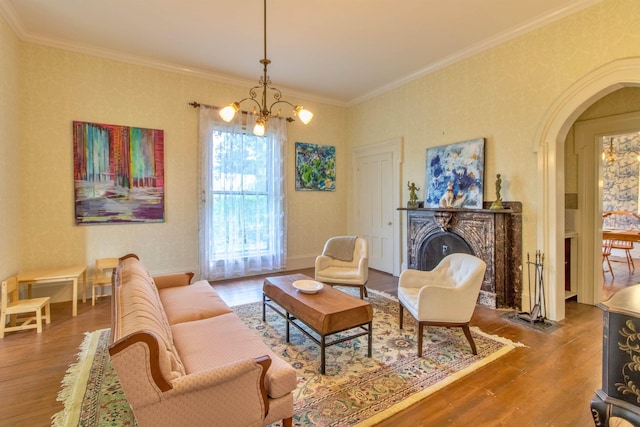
(336, 51)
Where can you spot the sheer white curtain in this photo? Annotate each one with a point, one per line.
(243, 206)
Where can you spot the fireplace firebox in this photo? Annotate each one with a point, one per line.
(438, 245)
(493, 235)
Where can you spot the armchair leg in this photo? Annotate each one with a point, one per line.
(422, 324)
(467, 333)
(287, 422)
(401, 309)
(363, 291)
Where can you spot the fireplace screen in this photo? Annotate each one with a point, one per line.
(438, 245)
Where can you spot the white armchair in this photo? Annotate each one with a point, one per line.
(444, 296)
(335, 271)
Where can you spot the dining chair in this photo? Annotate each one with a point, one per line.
(606, 253)
(12, 306)
(627, 247)
(102, 276)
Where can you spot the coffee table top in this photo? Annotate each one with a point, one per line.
(327, 311)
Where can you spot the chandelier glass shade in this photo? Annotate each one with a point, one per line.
(261, 108)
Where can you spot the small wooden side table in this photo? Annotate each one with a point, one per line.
(57, 275)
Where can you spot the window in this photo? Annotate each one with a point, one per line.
(240, 195)
(242, 218)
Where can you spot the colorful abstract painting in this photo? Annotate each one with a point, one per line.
(118, 174)
(315, 167)
(455, 175)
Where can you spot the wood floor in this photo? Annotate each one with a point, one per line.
(623, 275)
(549, 382)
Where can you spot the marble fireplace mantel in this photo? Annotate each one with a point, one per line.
(494, 235)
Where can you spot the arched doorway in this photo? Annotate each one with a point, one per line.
(549, 145)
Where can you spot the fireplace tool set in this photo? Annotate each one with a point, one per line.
(536, 298)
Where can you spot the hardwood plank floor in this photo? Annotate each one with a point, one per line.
(550, 382)
(623, 275)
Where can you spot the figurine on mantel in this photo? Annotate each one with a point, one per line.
(446, 201)
(413, 197)
(498, 202)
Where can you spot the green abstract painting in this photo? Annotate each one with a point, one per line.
(315, 167)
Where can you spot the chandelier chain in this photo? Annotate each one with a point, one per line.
(262, 109)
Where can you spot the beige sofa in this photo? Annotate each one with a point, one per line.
(184, 357)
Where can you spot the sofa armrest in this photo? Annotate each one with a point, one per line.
(122, 258)
(135, 358)
(251, 370)
(230, 393)
(171, 280)
(265, 363)
(152, 354)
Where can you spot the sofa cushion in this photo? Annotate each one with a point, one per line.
(140, 309)
(207, 343)
(200, 301)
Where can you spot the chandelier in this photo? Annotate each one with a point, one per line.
(261, 109)
(608, 154)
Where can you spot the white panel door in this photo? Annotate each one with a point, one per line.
(376, 208)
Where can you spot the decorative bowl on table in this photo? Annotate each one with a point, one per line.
(307, 286)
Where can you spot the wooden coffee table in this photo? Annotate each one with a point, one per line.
(326, 313)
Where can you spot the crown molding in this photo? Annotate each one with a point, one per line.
(8, 12)
(481, 47)
(170, 67)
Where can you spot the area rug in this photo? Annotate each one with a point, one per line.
(356, 390)
(91, 391)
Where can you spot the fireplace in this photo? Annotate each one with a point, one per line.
(437, 246)
(493, 235)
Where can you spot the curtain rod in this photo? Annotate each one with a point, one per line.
(196, 104)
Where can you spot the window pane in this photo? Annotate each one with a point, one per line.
(245, 232)
(239, 163)
(239, 194)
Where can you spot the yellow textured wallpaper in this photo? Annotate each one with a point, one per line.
(501, 95)
(10, 241)
(59, 87)
(622, 101)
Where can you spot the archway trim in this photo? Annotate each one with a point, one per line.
(549, 146)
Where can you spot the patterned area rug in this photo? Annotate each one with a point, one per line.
(91, 390)
(356, 390)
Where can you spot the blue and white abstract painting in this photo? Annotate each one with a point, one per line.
(620, 181)
(462, 165)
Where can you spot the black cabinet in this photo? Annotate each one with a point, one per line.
(620, 392)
